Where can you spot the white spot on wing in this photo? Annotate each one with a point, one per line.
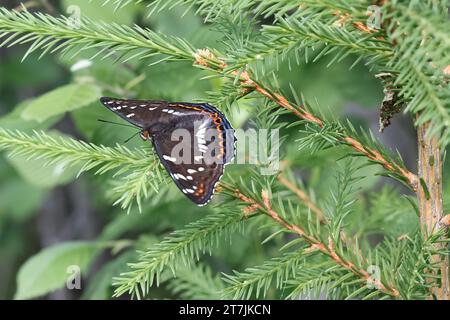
(202, 148)
(172, 159)
(203, 125)
(191, 171)
(151, 109)
(201, 133)
(130, 115)
(201, 141)
(202, 169)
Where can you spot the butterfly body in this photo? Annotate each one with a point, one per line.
(193, 140)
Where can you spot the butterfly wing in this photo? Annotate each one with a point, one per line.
(196, 180)
(141, 113)
(195, 148)
(193, 141)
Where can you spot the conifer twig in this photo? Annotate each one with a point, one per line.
(207, 59)
(315, 244)
(303, 197)
(55, 34)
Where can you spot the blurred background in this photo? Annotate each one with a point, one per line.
(42, 206)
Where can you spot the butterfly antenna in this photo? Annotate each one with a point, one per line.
(117, 123)
(134, 135)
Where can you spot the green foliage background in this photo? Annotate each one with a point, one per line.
(51, 218)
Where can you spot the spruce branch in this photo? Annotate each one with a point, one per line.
(196, 282)
(415, 56)
(257, 280)
(309, 34)
(303, 196)
(278, 8)
(314, 280)
(55, 34)
(180, 248)
(70, 152)
(207, 59)
(420, 34)
(328, 247)
(50, 34)
(306, 199)
(409, 262)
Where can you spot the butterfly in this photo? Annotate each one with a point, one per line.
(194, 141)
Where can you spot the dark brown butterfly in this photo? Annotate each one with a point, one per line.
(193, 140)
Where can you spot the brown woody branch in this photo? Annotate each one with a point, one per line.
(315, 244)
(204, 58)
(446, 221)
(303, 197)
(306, 200)
(344, 18)
(429, 197)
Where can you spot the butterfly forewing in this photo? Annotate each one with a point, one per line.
(140, 113)
(193, 141)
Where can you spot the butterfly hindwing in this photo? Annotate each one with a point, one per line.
(193, 170)
(196, 181)
(193, 141)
